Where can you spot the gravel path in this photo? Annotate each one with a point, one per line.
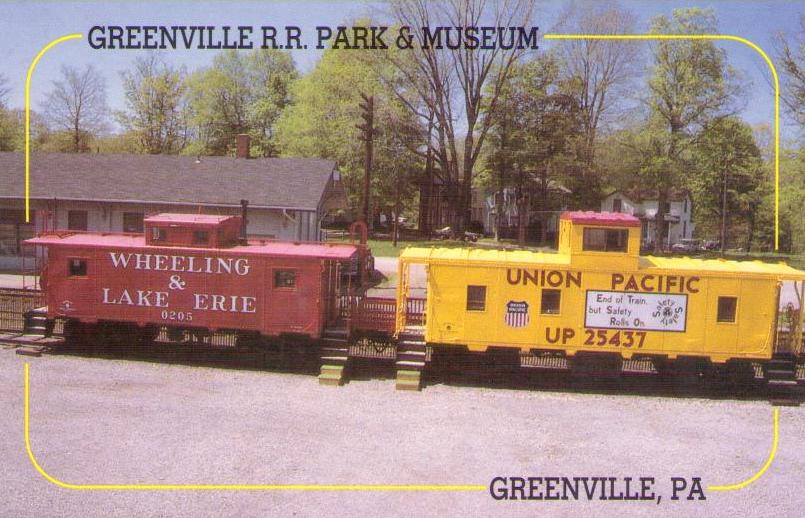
(123, 421)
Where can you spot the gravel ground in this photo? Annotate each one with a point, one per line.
(99, 420)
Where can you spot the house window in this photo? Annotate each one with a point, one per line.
(77, 220)
(13, 231)
(159, 234)
(550, 302)
(726, 309)
(284, 279)
(133, 222)
(200, 237)
(476, 298)
(605, 239)
(617, 205)
(77, 267)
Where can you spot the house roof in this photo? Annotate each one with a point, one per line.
(638, 194)
(291, 183)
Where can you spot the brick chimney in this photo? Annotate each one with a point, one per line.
(243, 145)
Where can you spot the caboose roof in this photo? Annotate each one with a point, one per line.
(136, 242)
(693, 264)
(191, 219)
(466, 256)
(479, 255)
(617, 219)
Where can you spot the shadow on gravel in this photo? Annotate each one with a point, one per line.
(461, 370)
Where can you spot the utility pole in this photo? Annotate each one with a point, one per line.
(367, 127)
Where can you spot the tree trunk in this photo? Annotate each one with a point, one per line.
(659, 219)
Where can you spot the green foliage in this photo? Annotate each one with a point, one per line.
(321, 123)
(240, 93)
(726, 151)
(155, 111)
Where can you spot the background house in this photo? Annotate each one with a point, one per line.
(288, 197)
(487, 207)
(643, 204)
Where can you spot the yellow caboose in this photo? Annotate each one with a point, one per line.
(598, 295)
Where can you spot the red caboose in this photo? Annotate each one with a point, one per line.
(194, 272)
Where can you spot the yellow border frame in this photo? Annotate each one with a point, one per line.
(717, 37)
(381, 487)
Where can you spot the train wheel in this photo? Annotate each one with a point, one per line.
(75, 334)
(147, 334)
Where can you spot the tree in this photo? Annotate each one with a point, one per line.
(240, 93)
(532, 138)
(791, 58)
(155, 101)
(597, 73)
(321, 123)
(77, 106)
(443, 84)
(8, 126)
(690, 83)
(728, 178)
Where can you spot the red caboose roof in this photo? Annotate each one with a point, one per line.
(607, 219)
(266, 248)
(199, 219)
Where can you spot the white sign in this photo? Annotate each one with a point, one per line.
(629, 310)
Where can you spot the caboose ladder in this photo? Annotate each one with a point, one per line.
(334, 355)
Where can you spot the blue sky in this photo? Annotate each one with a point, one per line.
(27, 26)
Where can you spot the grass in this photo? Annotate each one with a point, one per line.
(384, 247)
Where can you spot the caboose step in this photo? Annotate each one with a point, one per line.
(781, 374)
(408, 380)
(331, 375)
(405, 364)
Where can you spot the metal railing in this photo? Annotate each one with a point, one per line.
(14, 303)
(378, 313)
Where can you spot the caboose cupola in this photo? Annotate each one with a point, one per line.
(600, 238)
(188, 230)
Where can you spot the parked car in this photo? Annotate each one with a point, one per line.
(448, 233)
(687, 246)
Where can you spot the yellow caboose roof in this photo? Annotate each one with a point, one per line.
(480, 255)
(780, 270)
(467, 256)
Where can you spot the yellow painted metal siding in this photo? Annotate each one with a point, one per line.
(449, 321)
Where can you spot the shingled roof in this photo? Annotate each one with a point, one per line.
(291, 183)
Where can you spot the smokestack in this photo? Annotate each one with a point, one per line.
(244, 209)
(243, 142)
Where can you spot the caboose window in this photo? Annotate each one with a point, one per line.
(550, 302)
(726, 309)
(476, 298)
(77, 267)
(200, 237)
(284, 279)
(605, 239)
(159, 234)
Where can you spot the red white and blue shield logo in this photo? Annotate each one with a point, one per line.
(517, 313)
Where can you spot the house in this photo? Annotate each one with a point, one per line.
(288, 197)
(643, 204)
(488, 206)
